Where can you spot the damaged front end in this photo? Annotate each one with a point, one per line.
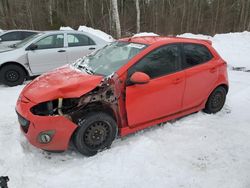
(102, 98)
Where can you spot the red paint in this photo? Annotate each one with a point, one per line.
(64, 82)
(139, 78)
(139, 105)
(150, 101)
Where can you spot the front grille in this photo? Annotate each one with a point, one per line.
(23, 122)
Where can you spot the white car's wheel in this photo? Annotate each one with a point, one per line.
(12, 75)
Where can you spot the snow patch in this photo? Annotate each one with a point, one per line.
(145, 34)
(96, 32)
(62, 28)
(195, 36)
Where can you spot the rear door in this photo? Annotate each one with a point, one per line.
(162, 96)
(79, 45)
(201, 74)
(50, 54)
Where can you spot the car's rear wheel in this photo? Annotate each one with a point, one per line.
(216, 100)
(12, 75)
(96, 132)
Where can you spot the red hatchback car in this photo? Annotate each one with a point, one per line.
(129, 85)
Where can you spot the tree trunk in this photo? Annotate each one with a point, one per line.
(50, 13)
(137, 5)
(116, 19)
(85, 13)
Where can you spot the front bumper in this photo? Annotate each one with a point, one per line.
(32, 126)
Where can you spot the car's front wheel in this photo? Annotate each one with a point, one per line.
(216, 100)
(96, 131)
(12, 75)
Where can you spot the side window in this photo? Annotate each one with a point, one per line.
(195, 54)
(162, 61)
(52, 41)
(26, 34)
(79, 40)
(12, 36)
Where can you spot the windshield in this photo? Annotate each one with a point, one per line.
(26, 41)
(109, 59)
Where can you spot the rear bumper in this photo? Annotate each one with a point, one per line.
(32, 126)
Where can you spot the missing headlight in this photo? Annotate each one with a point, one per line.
(51, 107)
(44, 108)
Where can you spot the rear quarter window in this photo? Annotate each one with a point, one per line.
(27, 34)
(12, 36)
(79, 40)
(195, 54)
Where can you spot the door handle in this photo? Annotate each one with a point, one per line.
(61, 51)
(91, 48)
(212, 70)
(177, 80)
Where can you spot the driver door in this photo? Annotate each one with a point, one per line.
(163, 95)
(49, 54)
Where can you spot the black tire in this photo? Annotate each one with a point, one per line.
(96, 132)
(216, 100)
(12, 75)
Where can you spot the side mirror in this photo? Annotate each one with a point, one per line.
(32, 47)
(139, 78)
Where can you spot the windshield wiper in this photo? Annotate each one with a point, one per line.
(86, 69)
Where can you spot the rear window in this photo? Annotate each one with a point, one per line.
(195, 54)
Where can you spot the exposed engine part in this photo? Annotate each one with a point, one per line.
(60, 102)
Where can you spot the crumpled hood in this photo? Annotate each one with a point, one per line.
(64, 82)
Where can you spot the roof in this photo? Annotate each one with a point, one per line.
(12, 30)
(62, 31)
(149, 40)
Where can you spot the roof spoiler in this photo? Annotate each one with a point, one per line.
(207, 41)
(204, 40)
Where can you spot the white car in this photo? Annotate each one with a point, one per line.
(43, 52)
(10, 37)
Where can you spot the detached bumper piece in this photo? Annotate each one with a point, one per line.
(23, 122)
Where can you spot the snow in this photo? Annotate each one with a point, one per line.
(66, 28)
(196, 151)
(145, 34)
(233, 47)
(96, 32)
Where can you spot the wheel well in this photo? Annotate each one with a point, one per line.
(15, 63)
(94, 107)
(224, 86)
(91, 107)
